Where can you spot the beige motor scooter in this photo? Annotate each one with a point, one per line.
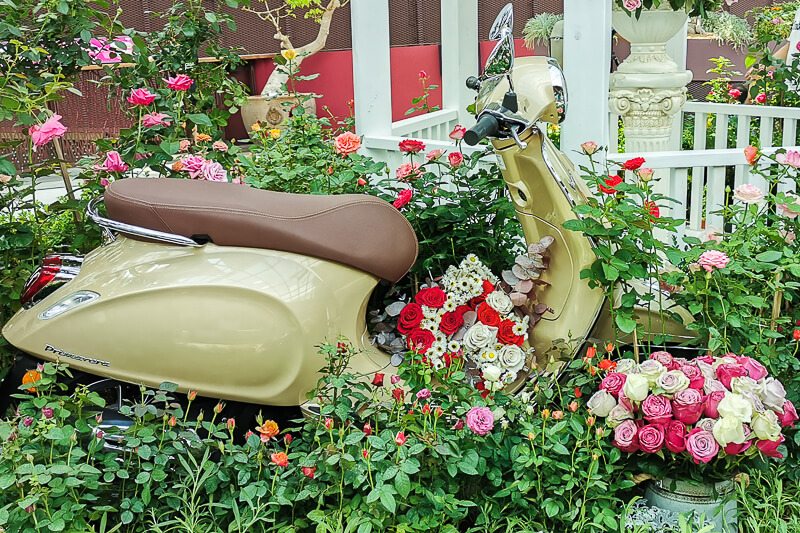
(229, 291)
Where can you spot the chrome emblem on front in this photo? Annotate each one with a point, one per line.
(49, 348)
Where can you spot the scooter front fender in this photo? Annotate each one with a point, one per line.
(234, 323)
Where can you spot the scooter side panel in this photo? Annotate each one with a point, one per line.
(235, 323)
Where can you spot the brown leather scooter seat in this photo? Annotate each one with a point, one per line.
(360, 231)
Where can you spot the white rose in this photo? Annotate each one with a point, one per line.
(773, 394)
(754, 400)
(766, 425)
(727, 430)
(734, 405)
(492, 373)
(636, 387)
(711, 385)
(479, 336)
(723, 361)
(745, 384)
(618, 415)
(672, 381)
(601, 403)
(500, 302)
(625, 366)
(707, 370)
(651, 369)
(512, 357)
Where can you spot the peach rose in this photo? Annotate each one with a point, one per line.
(347, 143)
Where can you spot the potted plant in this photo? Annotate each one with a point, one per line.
(273, 103)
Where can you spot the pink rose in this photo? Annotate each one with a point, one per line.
(403, 198)
(184, 145)
(155, 119)
(696, 379)
(405, 171)
(712, 402)
(665, 358)
(761, 98)
(688, 406)
(458, 133)
(434, 154)
(651, 438)
(675, 436)
(141, 97)
(423, 75)
(632, 5)
(52, 128)
(626, 436)
(754, 369)
(613, 382)
(793, 199)
(455, 159)
(220, 145)
(589, 147)
(770, 447)
(480, 420)
(701, 445)
(112, 163)
(728, 371)
(657, 409)
(789, 158)
(213, 171)
(751, 155)
(748, 194)
(347, 143)
(734, 93)
(193, 165)
(707, 359)
(734, 449)
(789, 415)
(181, 82)
(713, 259)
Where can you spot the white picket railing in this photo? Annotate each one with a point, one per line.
(698, 177)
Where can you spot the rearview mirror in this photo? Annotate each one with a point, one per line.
(504, 23)
(501, 60)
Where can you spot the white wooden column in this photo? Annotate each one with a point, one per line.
(587, 61)
(676, 48)
(372, 76)
(460, 59)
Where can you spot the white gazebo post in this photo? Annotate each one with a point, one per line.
(372, 75)
(587, 61)
(460, 59)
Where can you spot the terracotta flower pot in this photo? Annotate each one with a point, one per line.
(272, 111)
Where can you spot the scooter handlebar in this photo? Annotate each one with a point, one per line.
(487, 126)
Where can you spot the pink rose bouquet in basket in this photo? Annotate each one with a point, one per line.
(468, 318)
(713, 411)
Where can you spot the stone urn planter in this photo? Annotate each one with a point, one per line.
(715, 500)
(648, 36)
(272, 111)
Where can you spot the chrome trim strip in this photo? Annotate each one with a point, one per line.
(109, 225)
(557, 178)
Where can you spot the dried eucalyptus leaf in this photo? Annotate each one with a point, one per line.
(505, 287)
(398, 344)
(533, 274)
(381, 338)
(524, 261)
(539, 309)
(532, 294)
(517, 298)
(524, 286)
(547, 240)
(536, 248)
(509, 277)
(382, 327)
(470, 317)
(458, 335)
(519, 272)
(395, 308)
(536, 263)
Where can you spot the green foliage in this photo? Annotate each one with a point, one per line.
(694, 8)
(769, 503)
(539, 28)
(722, 84)
(729, 28)
(773, 23)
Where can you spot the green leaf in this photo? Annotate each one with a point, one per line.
(625, 324)
(388, 501)
(770, 256)
(200, 119)
(402, 484)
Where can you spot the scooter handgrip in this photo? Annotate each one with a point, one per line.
(487, 126)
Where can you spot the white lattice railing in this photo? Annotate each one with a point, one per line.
(698, 176)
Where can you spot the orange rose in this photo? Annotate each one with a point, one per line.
(347, 143)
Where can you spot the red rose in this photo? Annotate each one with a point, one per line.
(378, 380)
(652, 208)
(410, 146)
(420, 340)
(432, 297)
(607, 364)
(450, 322)
(506, 335)
(487, 288)
(488, 316)
(789, 415)
(728, 371)
(461, 309)
(651, 438)
(633, 164)
(657, 409)
(675, 436)
(611, 182)
(770, 447)
(613, 382)
(410, 317)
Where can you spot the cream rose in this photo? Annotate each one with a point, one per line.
(636, 387)
(500, 302)
(618, 415)
(479, 336)
(766, 425)
(728, 430)
(748, 194)
(734, 405)
(492, 373)
(672, 381)
(744, 385)
(601, 403)
(651, 369)
(773, 394)
(512, 357)
(626, 366)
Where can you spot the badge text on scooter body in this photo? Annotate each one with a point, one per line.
(48, 348)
